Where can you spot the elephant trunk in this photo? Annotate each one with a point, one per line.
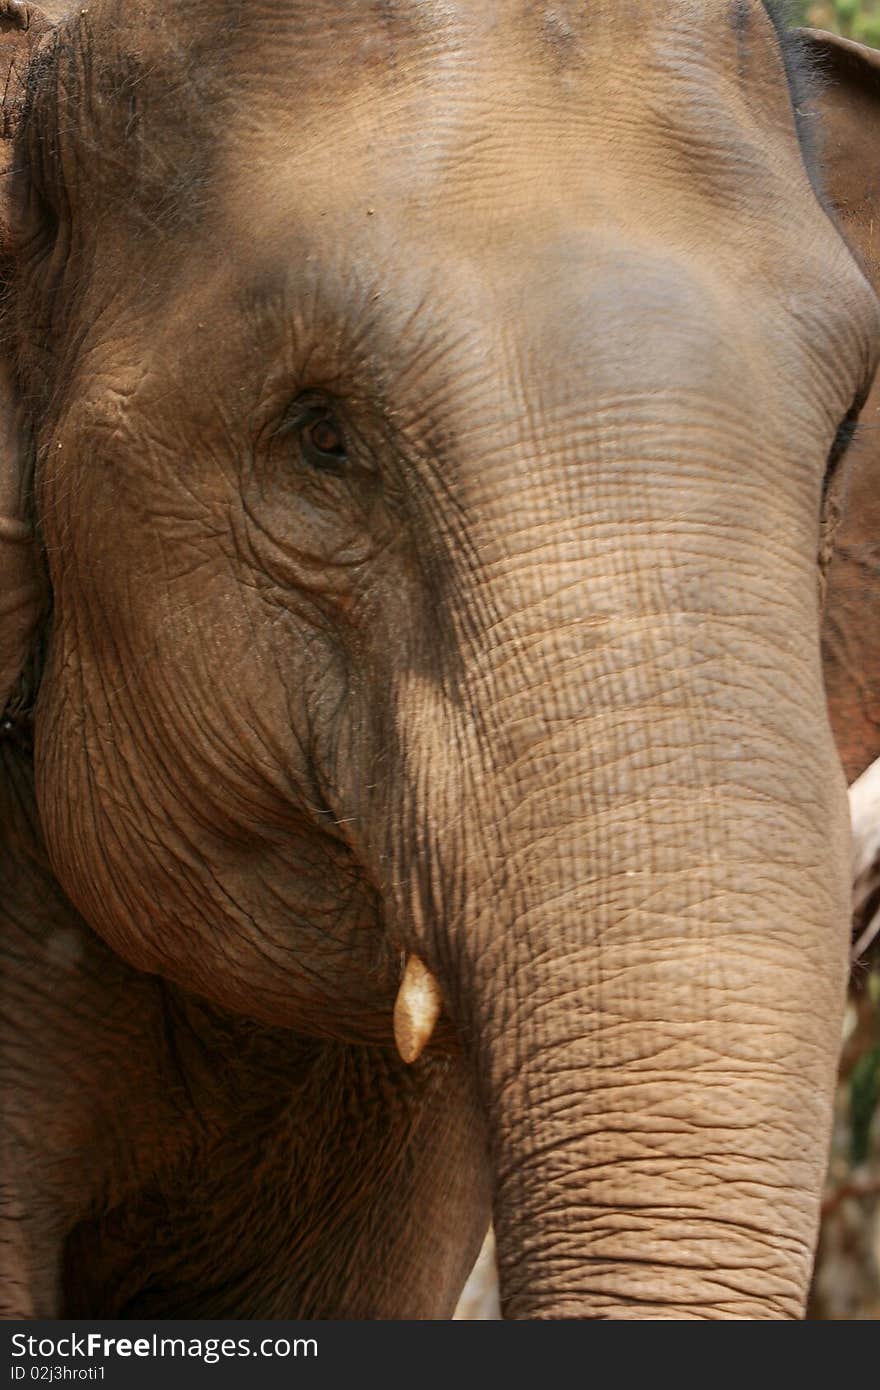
(627, 856)
(648, 960)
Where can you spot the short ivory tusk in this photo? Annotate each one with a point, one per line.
(416, 1009)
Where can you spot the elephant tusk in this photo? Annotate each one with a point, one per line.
(416, 1009)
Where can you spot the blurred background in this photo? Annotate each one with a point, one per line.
(857, 19)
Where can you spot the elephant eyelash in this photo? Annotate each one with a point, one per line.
(304, 420)
(301, 412)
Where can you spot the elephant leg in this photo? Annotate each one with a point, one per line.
(89, 1096)
(357, 1191)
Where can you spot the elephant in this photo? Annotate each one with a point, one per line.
(424, 429)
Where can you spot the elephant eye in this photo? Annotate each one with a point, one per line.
(322, 442)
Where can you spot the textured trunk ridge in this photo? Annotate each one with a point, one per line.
(658, 1033)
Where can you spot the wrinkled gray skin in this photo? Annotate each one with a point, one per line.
(430, 505)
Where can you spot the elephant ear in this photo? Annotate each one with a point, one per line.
(849, 150)
(849, 109)
(21, 28)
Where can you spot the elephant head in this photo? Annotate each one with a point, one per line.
(426, 416)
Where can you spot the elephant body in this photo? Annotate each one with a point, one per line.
(418, 800)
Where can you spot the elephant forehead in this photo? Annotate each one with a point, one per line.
(451, 105)
(563, 304)
(520, 225)
(470, 169)
(473, 129)
(344, 41)
(400, 146)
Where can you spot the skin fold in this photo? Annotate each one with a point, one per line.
(414, 519)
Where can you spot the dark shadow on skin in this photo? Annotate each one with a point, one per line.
(804, 83)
